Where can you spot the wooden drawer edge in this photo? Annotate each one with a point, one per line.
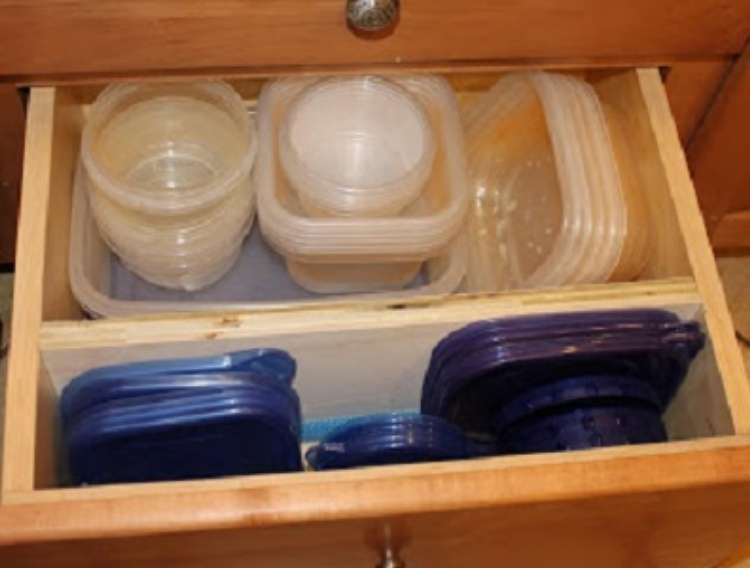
(718, 318)
(209, 37)
(179, 327)
(391, 491)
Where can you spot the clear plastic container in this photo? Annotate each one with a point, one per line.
(356, 146)
(422, 231)
(636, 250)
(353, 278)
(95, 278)
(549, 204)
(168, 169)
(168, 149)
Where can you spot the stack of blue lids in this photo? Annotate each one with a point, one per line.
(563, 381)
(389, 439)
(232, 414)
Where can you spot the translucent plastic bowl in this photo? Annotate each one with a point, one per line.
(168, 149)
(168, 176)
(356, 146)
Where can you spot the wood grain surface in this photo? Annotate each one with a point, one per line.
(719, 158)
(62, 38)
(680, 509)
(11, 157)
(691, 88)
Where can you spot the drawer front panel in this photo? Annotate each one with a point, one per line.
(48, 38)
(696, 522)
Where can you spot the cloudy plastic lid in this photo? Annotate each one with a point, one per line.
(356, 146)
(608, 205)
(585, 161)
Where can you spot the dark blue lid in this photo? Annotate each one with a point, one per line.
(145, 442)
(575, 428)
(583, 390)
(234, 442)
(466, 383)
(120, 390)
(133, 414)
(93, 386)
(389, 439)
(180, 419)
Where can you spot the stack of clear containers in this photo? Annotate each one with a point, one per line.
(555, 192)
(168, 176)
(361, 179)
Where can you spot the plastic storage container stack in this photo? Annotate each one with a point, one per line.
(168, 178)
(389, 439)
(361, 179)
(181, 419)
(563, 381)
(556, 195)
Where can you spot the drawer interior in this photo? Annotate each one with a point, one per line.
(388, 352)
(63, 112)
(389, 342)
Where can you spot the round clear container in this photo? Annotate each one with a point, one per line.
(360, 146)
(168, 169)
(168, 149)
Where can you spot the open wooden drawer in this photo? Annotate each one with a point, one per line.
(680, 503)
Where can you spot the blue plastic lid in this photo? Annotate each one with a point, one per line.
(237, 441)
(156, 437)
(137, 413)
(180, 419)
(491, 341)
(91, 386)
(584, 427)
(551, 325)
(97, 394)
(584, 390)
(389, 439)
(466, 383)
(483, 356)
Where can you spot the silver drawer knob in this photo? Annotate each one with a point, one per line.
(371, 15)
(391, 560)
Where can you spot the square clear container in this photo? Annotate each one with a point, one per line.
(422, 231)
(555, 196)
